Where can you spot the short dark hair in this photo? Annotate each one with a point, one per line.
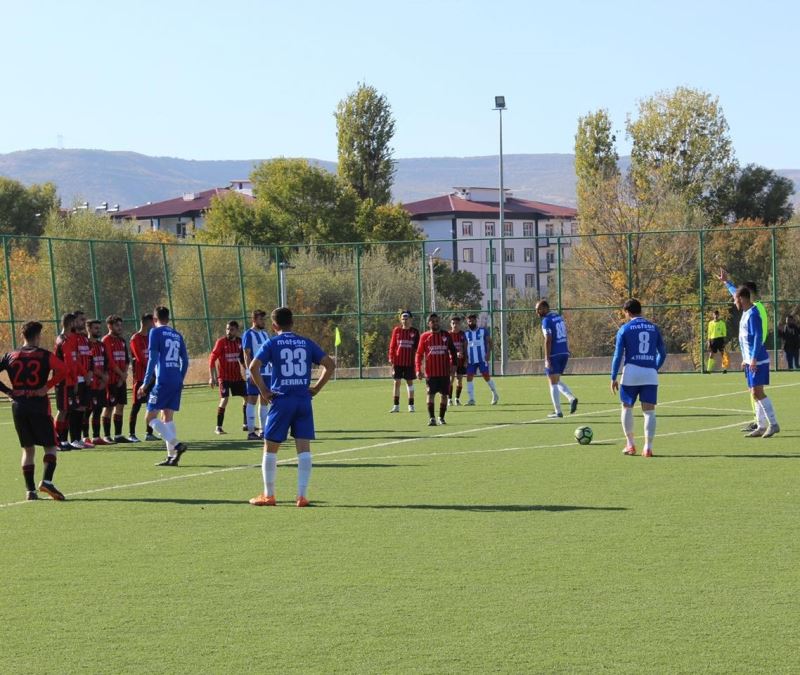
(282, 317)
(147, 317)
(543, 303)
(743, 292)
(233, 323)
(752, 286)
(405, 312)
(93, 322)
(67, 319)
(31, 329)
(472, 316)
(633, 306)
(79, 312)
(162, 313)
(716, 312)
(257, 313)
(112, 319)
(433, 315)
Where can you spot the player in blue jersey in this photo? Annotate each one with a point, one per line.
(640, 347)
(755, 362)
(163, 383)
(252, 340)
(556, 355)
(291, 357)
(478, 347)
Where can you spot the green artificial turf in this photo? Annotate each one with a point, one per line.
(494, 544)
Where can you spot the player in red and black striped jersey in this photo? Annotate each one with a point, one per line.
(97, 389)
(85, 381)
(69, 419)
(117, 390)
(28, 369)
(460, 343)
(139, 358)
(402, 347)
(228, 353)
(437, 350)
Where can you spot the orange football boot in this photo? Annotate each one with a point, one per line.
(647, 452)
(629, 450)
(263, 500)
(302, 501)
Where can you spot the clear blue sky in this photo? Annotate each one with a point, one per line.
(239, 80)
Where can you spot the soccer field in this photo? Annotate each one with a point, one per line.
(493, 544)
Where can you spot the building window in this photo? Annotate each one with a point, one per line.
(491, 281)
(491, 255)
(488, 229)
(466, 255)
(551, 257)
(527, 229)
(466, 228)
(548, 229)
(510, 281)
(508, 254)
(508, 228)
(530, 281)
(180, 230)
(529, 253)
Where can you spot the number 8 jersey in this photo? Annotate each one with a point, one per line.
(639, 341)
(291, 357)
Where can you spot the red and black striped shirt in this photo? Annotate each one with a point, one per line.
(139, 345)
(28, 370)
(403, 345)
(460, 343)
(229, 354)
(98, 364)
(116, 353)
(439, 353)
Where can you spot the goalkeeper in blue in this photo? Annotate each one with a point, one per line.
(755, 362)
(640, 347)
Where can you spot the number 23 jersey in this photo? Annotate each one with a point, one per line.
(291, 357)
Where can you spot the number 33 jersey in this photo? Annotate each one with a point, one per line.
(291, 357)
(168, 358)
(639, 342)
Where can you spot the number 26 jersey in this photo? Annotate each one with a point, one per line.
(168, 358)
(291, 357)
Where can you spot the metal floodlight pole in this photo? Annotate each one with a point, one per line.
(283, 266)
(500, 106)
(431, 255)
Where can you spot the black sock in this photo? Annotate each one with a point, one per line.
(458, 391)
(220, 416)
(132, 419)
(96, 421)
(27, 471)
(149, 430)
(87, 416)
(62, 429)
(410, 400)
(106, 426)
(396, 400)
(443, 407)
(244, 414)
(118, 425)
(49, 467)
(75, 424)
(430, 409)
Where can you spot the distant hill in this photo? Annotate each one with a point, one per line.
(131, 179)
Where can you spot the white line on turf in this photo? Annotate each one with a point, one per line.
(155, 481)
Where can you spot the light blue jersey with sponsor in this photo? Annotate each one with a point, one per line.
(290, 357)
(253, 339)
(476, 345)
(553, 324)
(168, 359)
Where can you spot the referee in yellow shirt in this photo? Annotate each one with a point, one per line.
(717, 332)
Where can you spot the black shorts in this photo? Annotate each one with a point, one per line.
(65, 397)
(232, 388)
(97, 398)
(438, 385)
(82, 397)
(403, 373)
(716, 345)
(33, 428)
(461, 370)
(117, 394)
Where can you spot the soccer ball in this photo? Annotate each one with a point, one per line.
(584, 435)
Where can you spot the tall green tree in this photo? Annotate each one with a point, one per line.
(755, 193)
(25, 210)
(234, 219)
(365, 127)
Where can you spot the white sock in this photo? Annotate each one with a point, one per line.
(410, 389)
(269, 467)
(491, 386)
(159, 427)
(303, 472)
(555, 398)
(171, 438)
(564, 389)
(251, 417)
(761, 415)
(627, 424)
(769, 410)
(263, 411)
(649, 427)
(471, 390)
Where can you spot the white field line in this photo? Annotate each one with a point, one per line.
(397, 442)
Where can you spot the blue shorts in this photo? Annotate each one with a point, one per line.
(473, 368)
(558, 364)
(165, 396)
(646, 393)
(758, 378)
(290, 413)
(252, 389)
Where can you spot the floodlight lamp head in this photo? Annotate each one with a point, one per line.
(500, 102)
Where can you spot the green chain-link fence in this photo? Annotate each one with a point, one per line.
(359, 288)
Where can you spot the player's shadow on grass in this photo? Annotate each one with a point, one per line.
(729, 456)
(485, 508)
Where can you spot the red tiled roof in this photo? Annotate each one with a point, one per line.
(453, 205)
(176, 207)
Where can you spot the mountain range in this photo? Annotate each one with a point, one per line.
(131, 179)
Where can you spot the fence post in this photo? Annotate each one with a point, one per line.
(558, 272)
(53, 280)
(279, 291)
(358, 309)
(629, 239)
(241, 283)
(6, 256)
(95, 289)
(701, 283)
(205, 294)
(774, 247)
(167, 283)
(423, 277)
(132, 279)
